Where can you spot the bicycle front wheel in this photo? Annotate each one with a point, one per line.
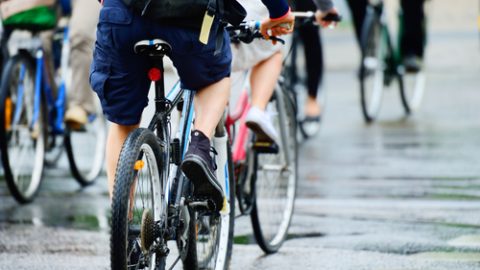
(275, 180)
(86, 148)
(138, 204)
(22, 128)
(373, 66)
(412, 90)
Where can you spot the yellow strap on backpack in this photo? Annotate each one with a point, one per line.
(206, 27)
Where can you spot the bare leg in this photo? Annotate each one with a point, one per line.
(263, 79)
(210, 103)
(312, 108)
(116, 137)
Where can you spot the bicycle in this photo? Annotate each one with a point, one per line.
(32, 129)
(152, 203)
(266, 175)
(381, 65)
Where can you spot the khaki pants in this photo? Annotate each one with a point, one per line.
(83, 25)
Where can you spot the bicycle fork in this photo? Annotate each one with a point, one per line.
(282, 114)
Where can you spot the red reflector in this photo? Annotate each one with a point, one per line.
(154, 74)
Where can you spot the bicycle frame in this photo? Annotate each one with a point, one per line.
(55, 106)
(239, 114)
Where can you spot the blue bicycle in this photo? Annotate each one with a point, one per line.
(33, 95)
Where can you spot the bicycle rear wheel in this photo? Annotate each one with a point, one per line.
(211, 235)
(373, 65)
(22, 128)
(275, 181)
(138, 204)
(86, 148)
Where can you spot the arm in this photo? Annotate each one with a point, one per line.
(276, 8)
(281, 19)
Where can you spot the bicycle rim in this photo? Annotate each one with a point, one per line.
(412, 90)
(22, 139)
(372, 68)
(275, 185)
(138, 204)
(86, 148)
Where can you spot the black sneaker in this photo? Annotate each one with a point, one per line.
(199, 167)
(412, 63)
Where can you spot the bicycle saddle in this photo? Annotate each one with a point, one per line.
(154, 47)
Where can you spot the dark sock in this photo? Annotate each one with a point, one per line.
(200, 140)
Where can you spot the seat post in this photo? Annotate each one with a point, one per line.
(159, 82)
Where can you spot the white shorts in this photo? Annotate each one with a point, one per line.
(246, 56)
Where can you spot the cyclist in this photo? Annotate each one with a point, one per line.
(82, 39)
(310, 38)
(118, 76)
(412, 42)
(265, 61)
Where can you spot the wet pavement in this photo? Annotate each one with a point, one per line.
(403, 193)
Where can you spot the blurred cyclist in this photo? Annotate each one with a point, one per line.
(412, 42)
(82, 39)
(310, 38)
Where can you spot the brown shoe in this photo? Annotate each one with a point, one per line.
(76, 118)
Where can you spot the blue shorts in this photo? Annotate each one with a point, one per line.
(119, 76)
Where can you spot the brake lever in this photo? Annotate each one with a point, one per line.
(274, 38)
(277, 39)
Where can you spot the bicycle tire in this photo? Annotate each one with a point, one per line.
(372, 64)
(23, 185)
(198, 260)
(413, 83)
(271, 224)
(140, 151)
(412, 90)
(80, 145)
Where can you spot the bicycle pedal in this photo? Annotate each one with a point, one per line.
(202, 204)
(266, 147)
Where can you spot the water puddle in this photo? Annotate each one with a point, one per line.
(249, 239)
(466, 241)
(449, 256)
(68, 212)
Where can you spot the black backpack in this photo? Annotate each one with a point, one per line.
(188, 13)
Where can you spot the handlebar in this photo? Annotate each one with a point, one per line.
(308, 17)
(248, 31)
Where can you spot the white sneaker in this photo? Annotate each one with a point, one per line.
(259, 122)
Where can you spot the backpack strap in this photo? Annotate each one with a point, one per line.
(221, 26)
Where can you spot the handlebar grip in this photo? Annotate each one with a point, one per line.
(332, 17)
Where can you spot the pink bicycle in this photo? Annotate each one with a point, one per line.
(266, 176)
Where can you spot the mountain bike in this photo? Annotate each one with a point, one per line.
(32, 130)
(266, 175)
(381, 65)
(156, 222)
